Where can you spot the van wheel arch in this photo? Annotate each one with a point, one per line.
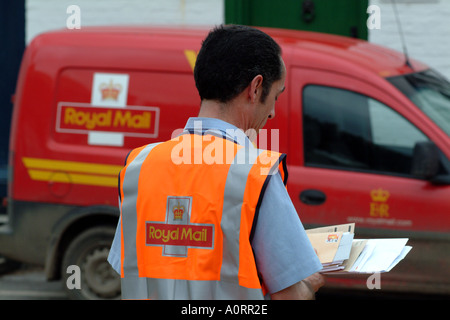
(69, 227)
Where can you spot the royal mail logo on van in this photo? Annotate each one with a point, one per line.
(82, 118)
(177, 233)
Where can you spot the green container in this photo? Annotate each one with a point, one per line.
(342, 17)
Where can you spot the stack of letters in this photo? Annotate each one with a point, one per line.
(338, 251)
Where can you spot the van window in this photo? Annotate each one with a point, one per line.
(347, 130)
(429, 91)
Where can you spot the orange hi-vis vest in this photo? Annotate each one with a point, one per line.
(187, 210)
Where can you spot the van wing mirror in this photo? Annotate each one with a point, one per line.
(425, 162)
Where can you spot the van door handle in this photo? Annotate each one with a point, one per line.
(312, 197)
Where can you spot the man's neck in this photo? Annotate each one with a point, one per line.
(221, 111)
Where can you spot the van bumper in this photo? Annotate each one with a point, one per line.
(25, 234)
(38, 233)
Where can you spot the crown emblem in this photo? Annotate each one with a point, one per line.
(178, 212)
(110, 91)
(379, 195)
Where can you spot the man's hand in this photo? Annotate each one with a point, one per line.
(316, 281)
(302, 290)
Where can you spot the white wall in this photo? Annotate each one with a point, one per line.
(44, 15)
(426, 28)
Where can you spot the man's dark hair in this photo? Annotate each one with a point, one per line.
(230, 57)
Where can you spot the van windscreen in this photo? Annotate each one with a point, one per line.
(430, 92)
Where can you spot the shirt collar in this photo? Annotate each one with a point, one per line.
(201, 125)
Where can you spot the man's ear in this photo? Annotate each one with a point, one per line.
(255, 88)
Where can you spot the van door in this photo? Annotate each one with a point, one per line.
(350, 160)
(351, 157)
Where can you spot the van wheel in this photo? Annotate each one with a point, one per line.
(89, 252)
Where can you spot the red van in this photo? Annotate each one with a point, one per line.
(367, 134)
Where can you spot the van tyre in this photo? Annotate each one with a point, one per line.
(89, 251)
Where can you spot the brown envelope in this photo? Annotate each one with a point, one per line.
(326, 244)
(348, 227)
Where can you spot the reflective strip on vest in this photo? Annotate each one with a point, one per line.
(129, 224)
(135, 287)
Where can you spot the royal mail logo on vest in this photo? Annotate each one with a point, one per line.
(177, 233)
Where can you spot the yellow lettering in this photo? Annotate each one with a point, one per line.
(379, 210)
(139, 121)
(174, 234)
(89, 120)
(164, 235)
(157, 234)
(151, 230)
(197, 236)
(69, 115)
(81, 118)
(104, 119)
(186, 234)
(121, 119)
